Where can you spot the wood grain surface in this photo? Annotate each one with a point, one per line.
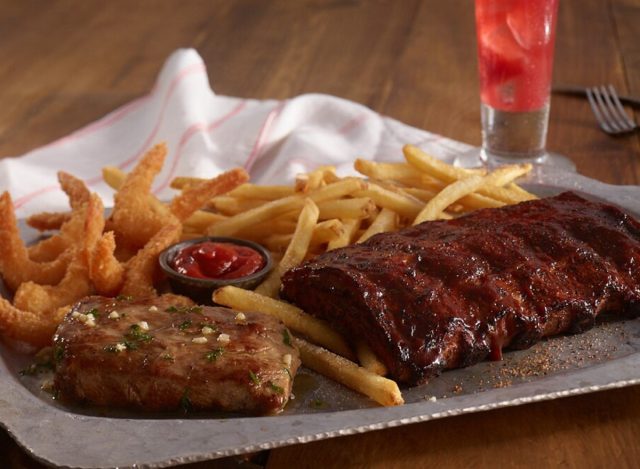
(67, 63)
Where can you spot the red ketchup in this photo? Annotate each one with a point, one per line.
(221, 261)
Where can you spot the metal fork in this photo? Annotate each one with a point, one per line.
(610, 114)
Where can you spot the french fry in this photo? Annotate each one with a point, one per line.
(253, 191)
(189, 235)
(385, 171)
(404, 205)
(387, 220)
(337, 190)
(113, 176)
(435, 167)
(281, 229)
(359, 207)
(296, 250)
(351, 227)
(294, 318)
(447, 173)
(323, 232)
(245, 220)
(382, 390)
(300, 183)
(333, 191)
(516, 189)
(368, 359)
(315, 179)
(449, 195)
(326, 231)
(501, 177)
(200, 220)
(424, 195)
(229, 205)
(477, 201)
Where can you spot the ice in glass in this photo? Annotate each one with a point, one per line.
(515, 53)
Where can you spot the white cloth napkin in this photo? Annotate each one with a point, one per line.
(206, 134)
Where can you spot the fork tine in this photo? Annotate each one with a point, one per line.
(606, 111)
(615, 114)
(595, 107)
(628, 122)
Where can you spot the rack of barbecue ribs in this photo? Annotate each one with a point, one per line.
(447, 294)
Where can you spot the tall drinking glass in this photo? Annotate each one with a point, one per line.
(515, 55)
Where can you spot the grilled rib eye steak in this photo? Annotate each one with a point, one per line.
(447, 294)
(159, 355)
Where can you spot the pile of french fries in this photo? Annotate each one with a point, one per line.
(319, 212)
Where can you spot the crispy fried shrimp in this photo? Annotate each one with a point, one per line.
(134, 219)
(196, 196)
(15, 265)
(43, 299)
(141, 268)
(45, 221)
(105, 271)
(75, 188)
(93, 226)
(71, 229)
(25, 326)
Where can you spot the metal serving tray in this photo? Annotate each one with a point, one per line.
(605, 357)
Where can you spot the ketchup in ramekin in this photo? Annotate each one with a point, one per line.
(197, 267)
(214, 260)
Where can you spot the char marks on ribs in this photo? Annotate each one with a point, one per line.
(159, 355)
(447, 294)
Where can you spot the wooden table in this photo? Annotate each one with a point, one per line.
(67, 63)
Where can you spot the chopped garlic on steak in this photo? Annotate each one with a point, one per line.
(144, 325)
(87, 319)
(153, 309)
(121, 347)
(199, 340)
(287, 359)
(224, 338)
(114, 315)
(206, 330)
(240, 317)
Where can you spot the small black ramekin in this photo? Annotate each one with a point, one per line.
(200, 290)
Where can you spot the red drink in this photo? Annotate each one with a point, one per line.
(515, 52)
(515, 55)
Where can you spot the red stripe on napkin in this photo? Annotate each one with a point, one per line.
(263, 135)
(190, 132)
